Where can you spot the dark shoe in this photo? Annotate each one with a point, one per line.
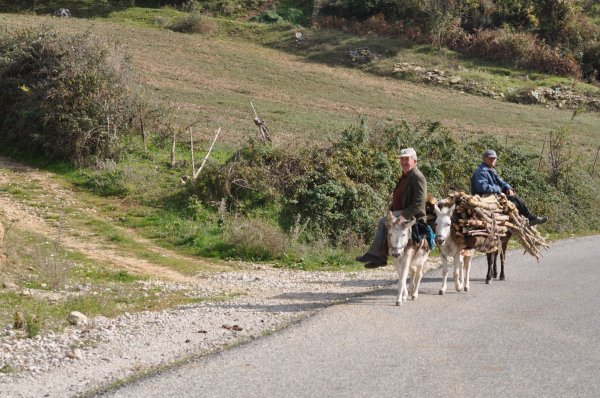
(368, 258)
(375, 265)
(537, 220)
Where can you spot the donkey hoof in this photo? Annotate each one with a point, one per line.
(488, 281)
(397, 303)
(441, 292)
(466, 289)
(502, 277)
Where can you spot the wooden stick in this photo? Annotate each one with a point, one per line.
(594, 166)
(192, 150)
(196, 174)
(173, 148)
(542, 154)
(252, 105)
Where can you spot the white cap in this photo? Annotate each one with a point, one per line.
(408, 152)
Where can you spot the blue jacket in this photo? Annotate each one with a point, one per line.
(486, 180)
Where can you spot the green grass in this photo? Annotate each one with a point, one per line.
(310, 94)
(83, 285)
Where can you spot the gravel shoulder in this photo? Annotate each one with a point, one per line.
(106, 351)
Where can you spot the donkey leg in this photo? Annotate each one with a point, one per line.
(418, 275)
(502, 258)
(495, 264)
(402, 269)
(399, 271)
(444, 274)
(458, 273)
(490, 268)
(467, 271)
(413, 274)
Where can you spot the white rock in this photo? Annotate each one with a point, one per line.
(77, 318)
(75, 354)
(10, 285)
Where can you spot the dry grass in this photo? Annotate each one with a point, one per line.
(255, 237)
(213, 79)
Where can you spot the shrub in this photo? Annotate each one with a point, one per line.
(293, 15)
(32, 325)
(521, 50)
(193, 23)
(345, 187)
(254, 239)
(63, 97)
(267, 17)
(590, 61)
(337, 193)
(228, 8)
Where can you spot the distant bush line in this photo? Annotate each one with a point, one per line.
(542, 35)
(338, 192)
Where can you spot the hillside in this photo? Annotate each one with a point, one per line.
(212, 79)
(131, 235)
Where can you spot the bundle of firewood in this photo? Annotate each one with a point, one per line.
(482, 222)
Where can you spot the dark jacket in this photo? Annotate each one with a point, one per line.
(415, 195)
(486, 180)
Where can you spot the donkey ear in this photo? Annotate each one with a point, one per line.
(437, 210)
(452, 208)
(409, 223)
(390, 217)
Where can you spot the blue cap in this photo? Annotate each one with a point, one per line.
(490, 154)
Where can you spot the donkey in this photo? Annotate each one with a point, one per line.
(492, 259)
(407, 255)
(451, 249)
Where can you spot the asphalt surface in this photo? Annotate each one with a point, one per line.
(537, 334)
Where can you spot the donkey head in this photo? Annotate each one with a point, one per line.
(443, 220)
(399, 231)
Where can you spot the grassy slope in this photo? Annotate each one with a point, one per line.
(214, 78)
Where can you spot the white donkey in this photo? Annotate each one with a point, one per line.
(450, 249)
(407, 255)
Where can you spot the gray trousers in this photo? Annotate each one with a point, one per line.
(379, 247)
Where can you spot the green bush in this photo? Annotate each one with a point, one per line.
(337, 193)
(293, 15)
(267, 17)
(590, 61)
(63, 97)
(193, 23)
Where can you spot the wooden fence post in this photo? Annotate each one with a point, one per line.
(542, 154)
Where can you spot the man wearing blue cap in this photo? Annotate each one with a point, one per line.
(486, 181)
(408, 198)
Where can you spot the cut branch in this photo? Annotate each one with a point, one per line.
(197, 173)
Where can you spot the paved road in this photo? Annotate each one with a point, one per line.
(537, 334)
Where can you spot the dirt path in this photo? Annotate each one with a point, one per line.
(23, 216)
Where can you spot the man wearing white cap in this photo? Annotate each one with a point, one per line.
(408, 198)
(486, 181)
